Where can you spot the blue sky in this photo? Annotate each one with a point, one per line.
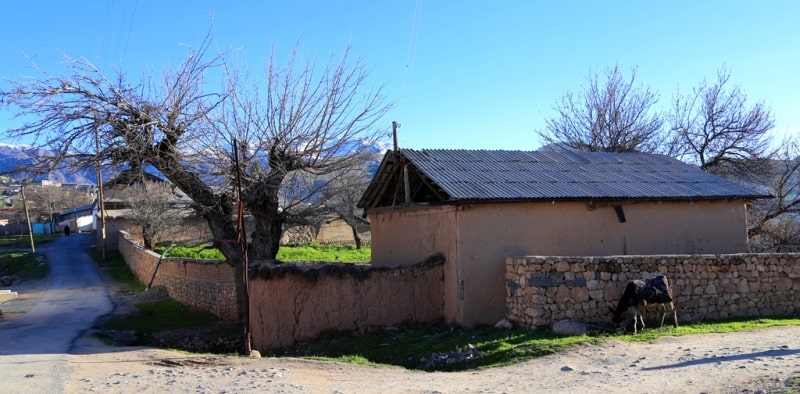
(461, 74)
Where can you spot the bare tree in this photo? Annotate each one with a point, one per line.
(716, 128)
(774, 224)
(342, 196)
(300, 120)
(297, 129)
(155, 210)
(612, 114)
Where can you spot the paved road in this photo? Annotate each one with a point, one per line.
(35, 345)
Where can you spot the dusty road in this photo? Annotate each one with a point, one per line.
(34, 345)
(46, 347)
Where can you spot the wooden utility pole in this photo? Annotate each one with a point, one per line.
(241, 237)
(27, 218)
(100, 189)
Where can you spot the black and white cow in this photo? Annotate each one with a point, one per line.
(640, 293)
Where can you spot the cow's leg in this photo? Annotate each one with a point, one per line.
(641, 318)
(674, 314)
(637, 318)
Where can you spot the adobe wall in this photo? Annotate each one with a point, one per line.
(543, 290)
(292, 303)
(207, 285)
(403, 235)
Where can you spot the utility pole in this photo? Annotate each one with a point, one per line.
(27, 217)
(50, 206)
(100, 189)
(241, 238)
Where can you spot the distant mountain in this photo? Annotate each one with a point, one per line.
(14, 157)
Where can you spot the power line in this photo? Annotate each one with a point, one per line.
(411, 52)
(130, 29)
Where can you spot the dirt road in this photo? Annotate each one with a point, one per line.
(41, 360)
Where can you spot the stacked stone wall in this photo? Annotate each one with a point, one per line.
(544, 290)
(207, 285)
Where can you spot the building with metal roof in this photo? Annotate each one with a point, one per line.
(478, 207)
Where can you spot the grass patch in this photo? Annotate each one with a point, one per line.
(713, 327)
(115, 267)
(155, 317)
(24, 241)
(324, 253)
(25, 265)
(434, 348)
(311, 252)
(201, 252)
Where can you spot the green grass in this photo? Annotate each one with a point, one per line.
(158, 316)
(324, 253)
(116, 268)
(714, 327)
(25, 265)
(429, 347)
(153, 317)
(311, 252)
(190, 252)
(24, 241)
(415, 347)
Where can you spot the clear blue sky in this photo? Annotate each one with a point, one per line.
(461, 74)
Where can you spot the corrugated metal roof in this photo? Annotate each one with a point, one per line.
(520, 175)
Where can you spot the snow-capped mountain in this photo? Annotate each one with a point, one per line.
(14, 157)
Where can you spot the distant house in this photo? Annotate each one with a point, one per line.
(77, 218)
(117, 213)
(477, 207)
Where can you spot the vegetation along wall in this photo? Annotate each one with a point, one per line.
(207, 285)
(543, 290)
(291, 302)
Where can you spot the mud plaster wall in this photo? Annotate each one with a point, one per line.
(543, 290)
(291, 303)
(206, 285)
(297, 303)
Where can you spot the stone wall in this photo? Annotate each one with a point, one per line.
(207, 285)
(543, 290)
(292, 303)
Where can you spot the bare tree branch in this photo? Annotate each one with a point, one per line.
(296, 125)
(611, 115)
(716, 128)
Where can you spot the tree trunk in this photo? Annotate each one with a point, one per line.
(356, 237)
(148, 241)
(268, 226)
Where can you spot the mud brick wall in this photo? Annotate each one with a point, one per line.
(206, 285)
(543, 290)
(293, 303)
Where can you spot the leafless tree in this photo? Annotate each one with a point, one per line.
(296, 130)
(342, 196)
(774, 224)
(716, 128)
(612, 114)
(155, 210)
(300, 120)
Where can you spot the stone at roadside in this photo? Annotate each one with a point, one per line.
(504, 325)
(569, 327)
